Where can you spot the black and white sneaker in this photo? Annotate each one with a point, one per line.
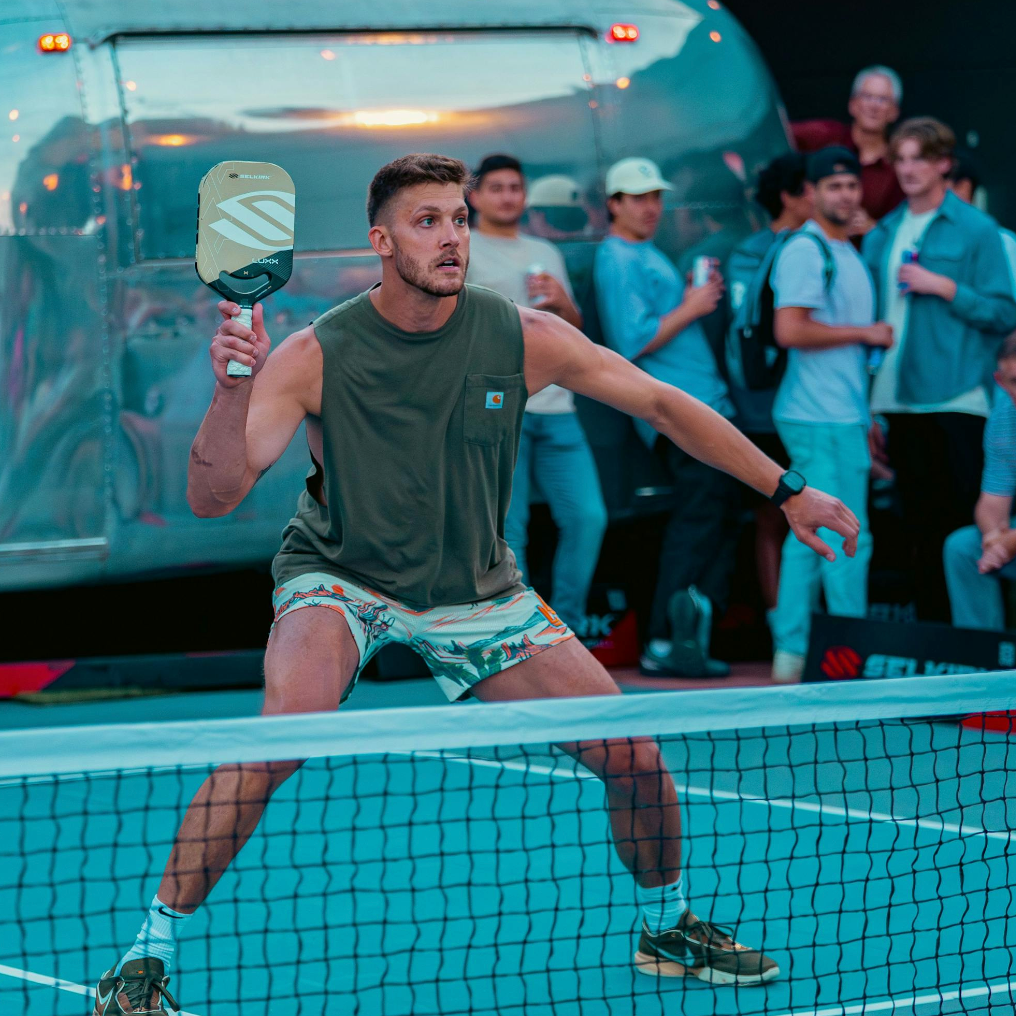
(701, 949)
(138, 990)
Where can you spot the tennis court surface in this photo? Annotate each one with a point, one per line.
(447, 860)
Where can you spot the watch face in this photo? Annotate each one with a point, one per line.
(795, 481)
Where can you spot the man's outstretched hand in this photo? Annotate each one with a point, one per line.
(810, 510)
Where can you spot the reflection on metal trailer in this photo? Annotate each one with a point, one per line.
(104, 326)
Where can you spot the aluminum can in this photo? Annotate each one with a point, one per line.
(701, 269)
(910, 256)
(532, 272)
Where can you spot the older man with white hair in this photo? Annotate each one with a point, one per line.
(874, 107)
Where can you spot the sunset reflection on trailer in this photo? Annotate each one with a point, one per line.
(113, 112)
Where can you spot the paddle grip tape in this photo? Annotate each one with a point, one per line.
(234, 368)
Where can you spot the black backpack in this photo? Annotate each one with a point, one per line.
(755, 360)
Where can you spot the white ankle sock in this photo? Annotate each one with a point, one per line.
(661, 906)
(158, 935)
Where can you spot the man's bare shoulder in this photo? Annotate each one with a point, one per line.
(544, 333)
(538, 324)
(554, 349)
(296, 367)
(301, 344)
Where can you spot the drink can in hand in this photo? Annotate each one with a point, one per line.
(909, 258)
(876, 354)
(701, 269)
(533, 272)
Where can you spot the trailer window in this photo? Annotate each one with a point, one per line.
(333, 109)
(44, 141)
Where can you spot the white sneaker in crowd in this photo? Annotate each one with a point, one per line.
(787, 667)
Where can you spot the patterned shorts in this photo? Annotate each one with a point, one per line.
(461, 644)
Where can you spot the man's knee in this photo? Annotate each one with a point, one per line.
(962, 547)
(594, 517)
(249, 782)
(632, 769)
(587, 519)
(289, 699)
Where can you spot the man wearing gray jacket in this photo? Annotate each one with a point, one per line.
(943, 284)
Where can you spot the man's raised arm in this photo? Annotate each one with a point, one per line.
(556, 353)
(251, 420)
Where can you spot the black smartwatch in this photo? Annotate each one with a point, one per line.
(791, 483)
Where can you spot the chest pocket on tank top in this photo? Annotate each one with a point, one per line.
(492, 404)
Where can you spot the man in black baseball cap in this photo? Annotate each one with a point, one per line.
(825, 317)
(832, 161)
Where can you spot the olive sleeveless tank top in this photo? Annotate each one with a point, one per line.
(421, 433)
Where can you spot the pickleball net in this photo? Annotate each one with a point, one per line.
(450, 861)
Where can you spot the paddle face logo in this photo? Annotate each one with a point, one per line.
(495, 400)
(260, 220)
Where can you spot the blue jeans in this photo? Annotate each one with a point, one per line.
(553, 450)
(833, 458)
(975, 599)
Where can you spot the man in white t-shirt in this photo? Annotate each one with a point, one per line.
(553, 450)
(825, 316)
(944, 285)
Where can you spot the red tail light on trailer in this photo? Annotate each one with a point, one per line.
(54, 42)
(623, 33)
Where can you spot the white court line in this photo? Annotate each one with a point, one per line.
(563, 772)
(892, 1004)
(54, 982)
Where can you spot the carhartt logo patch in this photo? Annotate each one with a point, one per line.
(495, 400)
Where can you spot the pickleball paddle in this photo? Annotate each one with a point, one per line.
(246, 214)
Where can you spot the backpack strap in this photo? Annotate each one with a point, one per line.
(828, 261)
(753, 307)
(760, 281)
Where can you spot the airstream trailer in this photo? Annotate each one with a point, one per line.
(113, 111)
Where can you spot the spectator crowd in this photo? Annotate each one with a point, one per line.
(868, 329)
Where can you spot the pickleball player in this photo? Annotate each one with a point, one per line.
(413, 394)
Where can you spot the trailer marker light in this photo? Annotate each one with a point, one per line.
(54, 42)
(623, 33)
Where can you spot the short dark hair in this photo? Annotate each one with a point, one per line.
(965, 168)
(491, 163)
(935, 138)
(408, 171)
(1008, 348)
(785, 174)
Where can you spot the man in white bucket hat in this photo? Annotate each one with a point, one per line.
(556, 208)
(650, 317)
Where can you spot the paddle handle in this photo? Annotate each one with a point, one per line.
(234, 368)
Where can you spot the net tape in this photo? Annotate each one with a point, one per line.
(115, 747)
